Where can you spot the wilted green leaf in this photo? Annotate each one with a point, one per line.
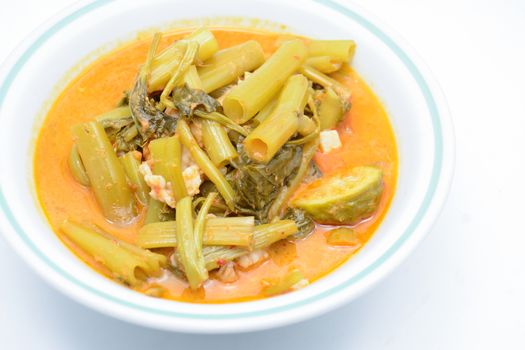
(186, 100)
(257, 185)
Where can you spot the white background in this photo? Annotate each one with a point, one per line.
(463, 288)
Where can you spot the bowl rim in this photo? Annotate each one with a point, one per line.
(434, 199)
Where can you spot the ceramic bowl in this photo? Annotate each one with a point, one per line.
(37, 71)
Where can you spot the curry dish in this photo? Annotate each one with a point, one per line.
(217, 165)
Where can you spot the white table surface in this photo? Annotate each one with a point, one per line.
(463, 288)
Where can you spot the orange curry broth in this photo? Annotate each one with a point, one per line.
(366, 135)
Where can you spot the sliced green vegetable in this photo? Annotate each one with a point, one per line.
(190, 52)
(158, 212)
(229, 231)
(285, 284)
(125, 261)
(236, 231)
(343, 236)
(263, 236)
(253, 93)
(327, 82)
(265, 112)
(324, 64)
(268, 138)
(131, 163)
(191, 78)
(227, 65)
(217, 144)
(342, 50)
(223, 120)
(105, 172)
(342, 198)
(116, 114)
(204, 162)
(166, 61)
(166, 154)
(198, 233)
(76, 167)
(330, 108)
(188, 248)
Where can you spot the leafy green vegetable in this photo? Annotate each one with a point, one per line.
(257, 185)
(151, 122)
(166, 213)
(313, 173)
(187, 100)
(123, 134)
(304, 223)
(235, 137)
(158, 212)
(218, 205)
(124, 100)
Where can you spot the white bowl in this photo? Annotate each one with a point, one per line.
(35, 72)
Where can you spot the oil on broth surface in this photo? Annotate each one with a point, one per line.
(366, 135)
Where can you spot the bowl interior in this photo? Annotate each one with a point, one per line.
(89, 30)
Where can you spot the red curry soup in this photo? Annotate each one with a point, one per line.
(218, 165)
